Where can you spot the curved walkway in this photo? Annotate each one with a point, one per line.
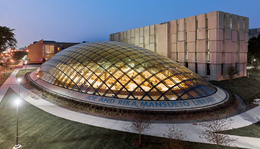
(157, 129)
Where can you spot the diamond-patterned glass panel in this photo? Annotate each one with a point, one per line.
(120, 70)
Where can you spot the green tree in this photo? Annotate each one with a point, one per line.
(231, 71)
(19, 55)
(253, 48)
(6, 64)
(7, 39)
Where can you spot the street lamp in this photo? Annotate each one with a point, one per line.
(17, 146)
(19, 81)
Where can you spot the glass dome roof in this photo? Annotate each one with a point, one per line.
(121, 70)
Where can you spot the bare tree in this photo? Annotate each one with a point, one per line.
(140, 124)
(231, 71)
(176, 135)
(213, 127)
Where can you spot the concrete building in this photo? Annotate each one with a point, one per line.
(206, 43)
(43, 49)
(253, 33)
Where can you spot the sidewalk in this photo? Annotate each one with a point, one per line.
(157, 129)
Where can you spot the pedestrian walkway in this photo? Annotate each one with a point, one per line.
(157, 129)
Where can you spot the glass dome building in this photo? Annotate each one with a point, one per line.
(120, 70)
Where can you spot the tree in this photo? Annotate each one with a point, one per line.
(253, 48)
(231, 71)
(176, 136)
(140, 124)
(213, 127)
(6, 64)
(18, 55)
(7, 39)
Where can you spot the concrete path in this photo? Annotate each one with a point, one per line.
(158, 129)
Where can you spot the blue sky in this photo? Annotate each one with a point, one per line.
(94, 20)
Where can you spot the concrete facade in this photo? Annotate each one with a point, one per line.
(254, 32)
(205, 43)
(45, 50)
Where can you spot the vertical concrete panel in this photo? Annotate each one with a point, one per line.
(128, 36)
(162, 35)
(116, 37)
(141, 37)
(191, 66)
(215, 72)
(147, 37)
(173, 27)
(121, 37)
(202, 69)
(137, 37)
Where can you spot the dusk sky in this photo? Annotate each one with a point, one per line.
(94, 20)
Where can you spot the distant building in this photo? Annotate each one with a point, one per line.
(43, 49)
(254, 32)
(206, 43)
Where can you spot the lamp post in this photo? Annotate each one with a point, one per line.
(19, 81)
(17, 146)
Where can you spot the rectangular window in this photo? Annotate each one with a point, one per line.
(208, 56)
(186, 56)
(186, 64)
(222, 69)
(208, 45)
(196, 56)
(196, 67)
(177, 56)
(208, 69)
(237, 67)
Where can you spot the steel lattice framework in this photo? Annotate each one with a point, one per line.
(121, 70)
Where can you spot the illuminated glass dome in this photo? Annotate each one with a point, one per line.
(121, 70)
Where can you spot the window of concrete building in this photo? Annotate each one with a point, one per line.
(222, 69)
(196, 67)
(208, 69)
(196, 56)
(177, 56)
(208, 56)
(186, 64)
(237, 67)
(207, 34)
(186, 55)
(208, 45)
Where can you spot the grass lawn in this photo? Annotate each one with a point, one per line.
(247, 88)
(248, 131)
(38, 129)
(4, 76)
(23, 72)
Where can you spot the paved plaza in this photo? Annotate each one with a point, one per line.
(158, 129)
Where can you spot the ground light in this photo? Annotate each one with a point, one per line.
(17, 146)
